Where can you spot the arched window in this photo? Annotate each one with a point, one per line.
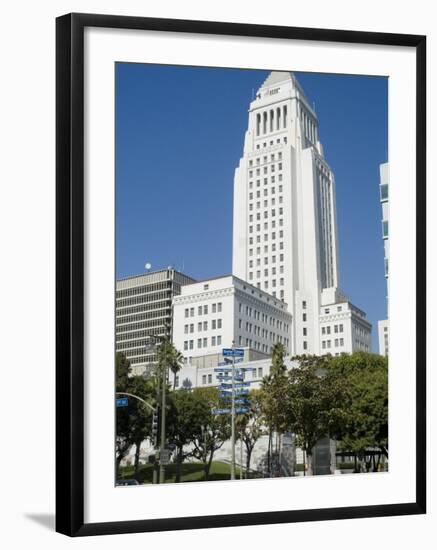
(278, 118)
(284, 110)
(271, 120)
(265, 122)
(258, 124)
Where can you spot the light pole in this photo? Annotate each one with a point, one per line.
(233, 415)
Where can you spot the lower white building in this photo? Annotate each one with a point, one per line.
(213, 314)
(343, 327)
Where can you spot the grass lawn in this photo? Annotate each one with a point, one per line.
(190, 471)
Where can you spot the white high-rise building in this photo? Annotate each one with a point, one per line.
(285, 227)
(383, 193)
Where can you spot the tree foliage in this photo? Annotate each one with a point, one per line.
(366, 377)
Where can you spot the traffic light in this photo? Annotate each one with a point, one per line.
(155, 427)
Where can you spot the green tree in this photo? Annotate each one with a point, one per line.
(191, 412)
(316, 402)
(133, 421)
(214, 430)
(366, 425)
(273, 397)
(249, 426)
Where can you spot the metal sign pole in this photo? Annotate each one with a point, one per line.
(233, 415)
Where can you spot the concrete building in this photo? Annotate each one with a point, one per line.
(209, 315)
(143, 307)
(285, 227)
(383, 326)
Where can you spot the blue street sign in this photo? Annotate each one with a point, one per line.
(241, 410)
(122, 402)
(223, 369)
(233, 352)
(242, 385)
(241, 402)
(221, 411)
(229, 362)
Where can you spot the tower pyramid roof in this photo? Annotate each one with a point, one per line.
(275, 77)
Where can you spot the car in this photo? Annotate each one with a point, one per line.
(126, 482)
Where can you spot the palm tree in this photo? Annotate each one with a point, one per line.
(169, 358)
(176, 363)
(278, 354)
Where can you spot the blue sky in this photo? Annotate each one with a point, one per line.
(179, 137)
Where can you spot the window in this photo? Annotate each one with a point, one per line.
(219, 340)
(191, 344)
(219, 323)
(384, 191)
(199, 327)
(213, 324)
(385, 229)
(327, 311)
(205, 325)
(199, 343)
(341, 341)
(213, 341)
(209, 378)
(185, 329)
(304, 305)
(203, 378)
(328, 330)
(340, 328)
(304, 317)
(185, 345)
(323, 344)
(219, 307)
(304, 331)
(205, 310)
(205, 287)
(205, 342)
(305, 345)
(260, 372)
(199, 310)
(186, 312)
(191, 311)
(191, 327)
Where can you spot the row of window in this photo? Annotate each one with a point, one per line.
(202, 326)
(273, 168)
(335, 328)
(203, 342)
(144, 298)
(263, 317)
(265, 159)
(203, 310)
(266, 202)
(328, 310)
(144, 289)
(337, 342)
(266, 239)
(266, 181)
(271, 143)
(261, 346)
(162, 307)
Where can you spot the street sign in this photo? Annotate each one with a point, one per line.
(241, 410)
(164, 456)
(227, 363)
(221, 411)
(233, 352)
(122, 401)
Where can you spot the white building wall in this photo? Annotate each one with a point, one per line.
(212, 314)
(284, 207)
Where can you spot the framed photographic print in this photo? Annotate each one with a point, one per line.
(240, 274)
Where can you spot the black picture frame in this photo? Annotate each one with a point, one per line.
(70, 273)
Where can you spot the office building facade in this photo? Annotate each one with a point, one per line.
(143, 310)
(213, 314)
(383, 325)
